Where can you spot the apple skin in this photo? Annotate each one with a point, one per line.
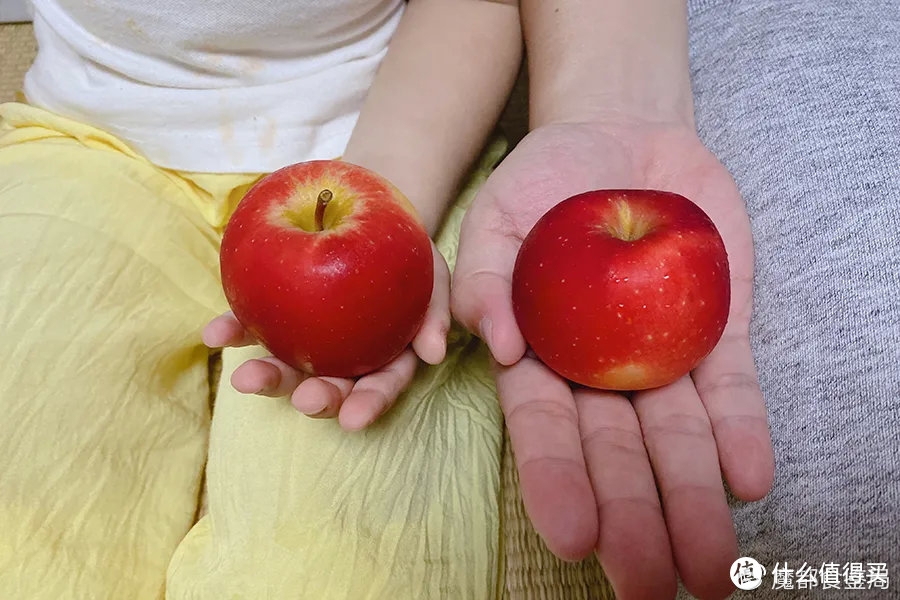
(612, 312)
(339, 302)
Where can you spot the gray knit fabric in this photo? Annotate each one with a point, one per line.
(801, 101)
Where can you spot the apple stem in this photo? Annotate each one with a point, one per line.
(322, 201)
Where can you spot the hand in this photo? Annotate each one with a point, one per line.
(590, 461)
(355, 402)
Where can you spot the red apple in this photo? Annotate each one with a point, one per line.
(622, 289)
(328, 266)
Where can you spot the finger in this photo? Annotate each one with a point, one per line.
(480, 297)
(679, 440)
(226, 330)
(376, 392)
(543, 428)
(267, 377)
(633, 545)
(727, 384)
(321, 397)
(431, 341)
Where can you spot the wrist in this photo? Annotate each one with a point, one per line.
(611, 60)
(404, 174)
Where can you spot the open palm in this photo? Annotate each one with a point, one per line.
(637, 479)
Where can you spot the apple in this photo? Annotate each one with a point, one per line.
(328, 266)
(622, 289)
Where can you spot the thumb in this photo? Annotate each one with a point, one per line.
(481, 291)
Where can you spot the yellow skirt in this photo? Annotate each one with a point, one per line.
(108, 272)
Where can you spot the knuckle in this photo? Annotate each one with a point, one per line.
(680, 424)
(539, 409)
(616, 438)
(734, 381)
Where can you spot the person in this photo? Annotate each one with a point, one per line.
(616, 108)
(145, 124)
(639, 480)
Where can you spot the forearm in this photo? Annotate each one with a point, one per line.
(437, 94)
(602, 59)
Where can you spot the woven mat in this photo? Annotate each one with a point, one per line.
(17, 49)
(531, 572)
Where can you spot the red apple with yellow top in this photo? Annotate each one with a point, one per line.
(328, 266)
(622, 289)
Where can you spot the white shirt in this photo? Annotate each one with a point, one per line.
(213, 85)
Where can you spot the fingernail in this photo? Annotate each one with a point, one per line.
(310, 408)
(485, 327)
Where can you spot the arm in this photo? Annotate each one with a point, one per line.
(435, 98)
(636, 478)
(447, 74)
(592, 60)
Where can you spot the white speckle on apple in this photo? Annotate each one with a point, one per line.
(618, 314)
(625, 279)
(705, 338)
(245, 269)
(668, 306)
(665, 334)
(702, 303)
(574, 344)
(621, 306)
(693, 276)
(650, 336)
(573, 308)
(540, 264)
(660, 290)
(664, 276)
(590, 286)
(683, 302)
(265, 239)
(281, 262)
(683, 340)
(597, 338)
(342, 307)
